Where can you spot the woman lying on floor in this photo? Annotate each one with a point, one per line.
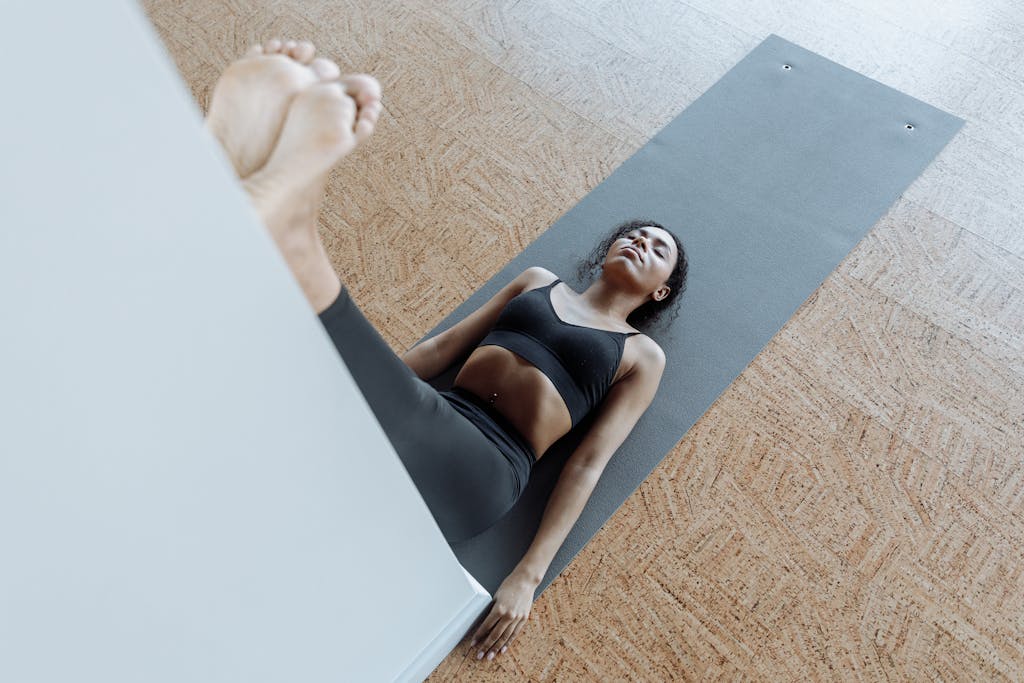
(543, 356)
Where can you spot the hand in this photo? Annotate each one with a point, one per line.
(508, 616)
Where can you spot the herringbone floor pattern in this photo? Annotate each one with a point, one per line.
(852, 507)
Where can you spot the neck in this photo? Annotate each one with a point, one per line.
(613, 298)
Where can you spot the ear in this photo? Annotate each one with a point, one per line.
(661, 292)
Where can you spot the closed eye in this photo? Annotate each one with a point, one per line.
(645, 233)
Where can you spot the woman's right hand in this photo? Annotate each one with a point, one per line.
(508, 616)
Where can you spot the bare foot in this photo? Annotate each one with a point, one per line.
(285, 119)
(325, 122)
(252, 97)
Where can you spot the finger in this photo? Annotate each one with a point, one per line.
(501, 644)
(488, 643)
(518, 629)
(485, 627)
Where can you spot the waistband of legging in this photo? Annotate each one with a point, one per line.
(514, 435)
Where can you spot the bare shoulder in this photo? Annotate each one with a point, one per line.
(644, 355)
(536, 276)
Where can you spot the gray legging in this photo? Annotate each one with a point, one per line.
(469, 464)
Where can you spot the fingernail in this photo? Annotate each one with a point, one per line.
(490, 656)
(480, 655)
(472, 643)
(503, 649)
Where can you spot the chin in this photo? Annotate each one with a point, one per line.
(622, 271)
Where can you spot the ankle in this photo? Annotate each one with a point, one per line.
(323, 292)
(313, 270)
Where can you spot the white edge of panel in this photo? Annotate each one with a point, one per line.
(449, 636)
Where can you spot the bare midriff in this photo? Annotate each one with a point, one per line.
(525, 395)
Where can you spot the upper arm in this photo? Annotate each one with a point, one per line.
(468, 332)
(622, 406)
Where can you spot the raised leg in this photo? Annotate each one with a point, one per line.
(285, 119)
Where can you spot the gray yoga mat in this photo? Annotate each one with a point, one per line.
(769, 179)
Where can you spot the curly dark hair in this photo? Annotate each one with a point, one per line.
(649, 314)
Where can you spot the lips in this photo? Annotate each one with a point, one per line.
(634, 250)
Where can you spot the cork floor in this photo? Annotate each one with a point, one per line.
(852, 506)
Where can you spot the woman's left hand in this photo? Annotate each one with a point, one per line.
(508, 616)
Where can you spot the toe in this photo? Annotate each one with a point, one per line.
(289, 47)
(363, 88)
(367, 121)
(272, 46)
(325, 69)
(370, 113)
(332, 113)
(363, 130)
(303, 52)
(254, 51)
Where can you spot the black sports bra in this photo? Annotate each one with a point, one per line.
(580, 361)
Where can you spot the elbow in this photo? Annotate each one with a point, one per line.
(586, 469)
(421, 359)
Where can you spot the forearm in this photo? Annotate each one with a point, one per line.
(567, 501)
(425, 360)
